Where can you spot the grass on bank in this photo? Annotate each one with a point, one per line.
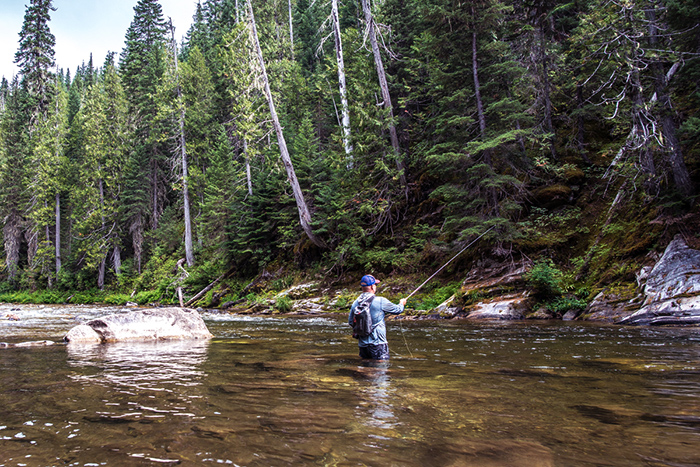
(85, 297)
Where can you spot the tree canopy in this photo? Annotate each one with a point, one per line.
(351, 136)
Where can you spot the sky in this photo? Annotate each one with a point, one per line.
(82, 27)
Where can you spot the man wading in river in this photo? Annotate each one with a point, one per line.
(374, 345)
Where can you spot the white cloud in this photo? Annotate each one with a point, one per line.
(83, 27)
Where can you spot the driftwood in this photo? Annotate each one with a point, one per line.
(208, 288)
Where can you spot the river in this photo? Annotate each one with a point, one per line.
(292, 391)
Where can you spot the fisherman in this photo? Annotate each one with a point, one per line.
(375, 346)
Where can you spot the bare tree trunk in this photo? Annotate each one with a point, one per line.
(117, 260)
(12, 234)
(44, 266)
(477, 86)
(384, 85)
(491, 191)
(136, 231)
(58, 233)
(345, 110)
(154, 188)
(304, 214)
(671, 144)
(641, 136)
(546, 90)
(101, 273)
(248, 175)
(291, 27)
(477, 94)
(189, 255)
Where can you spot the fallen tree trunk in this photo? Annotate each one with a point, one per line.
(208, 288)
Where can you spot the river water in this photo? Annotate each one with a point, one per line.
(292, 391)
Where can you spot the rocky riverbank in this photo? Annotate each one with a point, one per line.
(666, 294)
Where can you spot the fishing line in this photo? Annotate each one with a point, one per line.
(451, 259)
(435, 274)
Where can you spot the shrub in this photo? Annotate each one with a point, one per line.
(545, 279)
(283, 304)
(561, 305)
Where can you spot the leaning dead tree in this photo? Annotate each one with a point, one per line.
(304, 214)
(383, 84)
(345, 109)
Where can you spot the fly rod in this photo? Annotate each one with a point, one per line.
(451, 259)
(435, 274)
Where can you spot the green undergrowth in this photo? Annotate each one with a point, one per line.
(555, 290)
(83, 297)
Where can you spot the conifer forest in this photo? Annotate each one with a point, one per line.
(334, 138)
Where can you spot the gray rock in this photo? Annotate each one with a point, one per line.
(509, 309)
(84, 334)
(675, 311)
(27, 344)
(570, 315)
(612, 306)
(676, 273)
(142, 325)
(541, 313)
(672, 291)
(447, 308)
(300, 291)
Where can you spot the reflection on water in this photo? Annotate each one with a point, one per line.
(141, 365)
(291, 391)
(376, 409)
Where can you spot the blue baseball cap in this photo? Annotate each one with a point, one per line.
(368, 280)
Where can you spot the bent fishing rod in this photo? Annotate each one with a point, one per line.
(435, 274)
(451, 259)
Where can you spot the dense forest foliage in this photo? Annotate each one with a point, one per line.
(328, 138)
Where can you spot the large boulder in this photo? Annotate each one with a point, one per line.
(512, 308)
(672, 290)
(142, 325)
(613, 305)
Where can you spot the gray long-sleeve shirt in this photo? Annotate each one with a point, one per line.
(379, 307)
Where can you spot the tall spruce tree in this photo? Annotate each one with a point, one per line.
(142, 67)
(47, 182)
(35, 57)
(29, 112)
(104, 127)
(13, 175)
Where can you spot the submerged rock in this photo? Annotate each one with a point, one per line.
(142, 325)
(26, 344)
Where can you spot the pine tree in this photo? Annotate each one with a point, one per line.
(97, 199)
(142, 67)
(28, 114)
(48, 181)
(13, 175)
(35, 57)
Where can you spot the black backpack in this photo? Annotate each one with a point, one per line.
(362, 319)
